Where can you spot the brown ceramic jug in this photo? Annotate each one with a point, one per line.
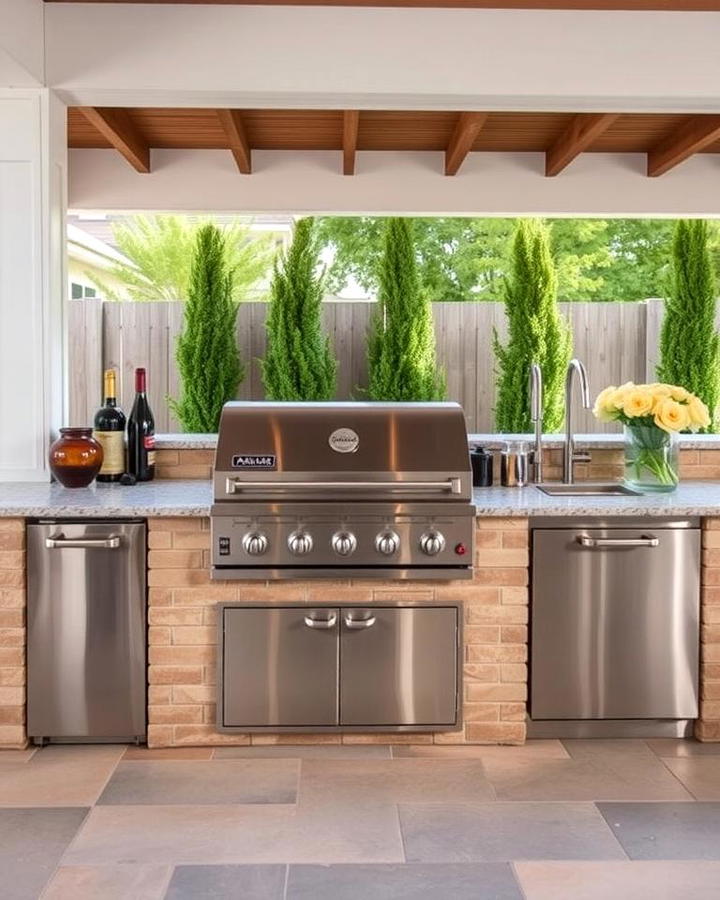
(75, 457)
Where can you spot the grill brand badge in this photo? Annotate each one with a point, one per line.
(253, 461)
(344, 440)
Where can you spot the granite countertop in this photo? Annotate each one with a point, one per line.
(193, 498)
(606, 441)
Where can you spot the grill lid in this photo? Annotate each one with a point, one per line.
(341, 450)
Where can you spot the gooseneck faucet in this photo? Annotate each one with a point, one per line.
(536, 417)
(570, 457)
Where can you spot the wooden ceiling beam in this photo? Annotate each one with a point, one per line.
(697, 134)
(351, 122)
(116, 126)
(580, 135)
(232, 123)
(463, 137)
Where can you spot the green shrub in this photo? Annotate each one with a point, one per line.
(536, 333)
(689, 343)
(298, 363)
(401, 342)
(207, 354)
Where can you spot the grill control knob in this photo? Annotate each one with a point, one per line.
(255, 543)
(432, 543)
(344, 543)
(300, 543)
(387, 543)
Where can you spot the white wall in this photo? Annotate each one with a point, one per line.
(217, 55)
(488, 183)
(22, 62)
(32, 178)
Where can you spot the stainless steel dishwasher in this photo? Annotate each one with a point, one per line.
(86, 630)
(615, 627)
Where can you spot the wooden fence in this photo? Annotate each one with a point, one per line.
(616, 341)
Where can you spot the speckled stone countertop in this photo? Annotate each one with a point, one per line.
(490, 441)
(174, 497)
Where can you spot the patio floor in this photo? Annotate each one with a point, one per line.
(571, 820)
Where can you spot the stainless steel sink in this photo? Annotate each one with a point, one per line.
(587, 489)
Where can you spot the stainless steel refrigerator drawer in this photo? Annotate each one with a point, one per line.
(338, 668)
(87, 634)
(615, 622)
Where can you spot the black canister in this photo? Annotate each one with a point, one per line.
(482, 467)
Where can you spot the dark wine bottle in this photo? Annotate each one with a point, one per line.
(141, 433)
(109, 430)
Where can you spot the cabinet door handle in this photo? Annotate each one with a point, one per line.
(321, 624)
(356, 624)
(647, 540)
(57, 543)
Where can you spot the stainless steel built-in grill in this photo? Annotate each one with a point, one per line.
(328, 489)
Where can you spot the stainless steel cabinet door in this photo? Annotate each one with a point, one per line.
(398, 666)
(615, 626)
(280, 667)
(87, 635)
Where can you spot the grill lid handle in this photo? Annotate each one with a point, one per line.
(237, 486)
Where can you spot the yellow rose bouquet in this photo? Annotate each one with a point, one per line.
(653, 415)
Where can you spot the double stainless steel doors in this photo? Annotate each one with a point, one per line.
(308, 668)
(615, 632)
(87, 602)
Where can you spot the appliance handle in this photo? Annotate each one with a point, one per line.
(236, 486)
(60, 542)
(322, 624)
(357, 624)
(647, 540)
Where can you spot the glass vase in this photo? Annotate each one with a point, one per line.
(652, 461)
(75, 457)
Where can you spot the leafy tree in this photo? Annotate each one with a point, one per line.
(689, 342)
(207, 354)
(536, 333)
(401, 343)
(160, 250)
(298, 364)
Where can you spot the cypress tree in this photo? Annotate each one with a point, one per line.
(536, 333)
(207, 354)
(689, 343)
(298, 363)
(401, 342)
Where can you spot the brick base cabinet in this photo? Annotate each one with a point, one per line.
(12, 633)
(183, 620)
(708, 726)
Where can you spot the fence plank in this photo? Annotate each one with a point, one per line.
(617, 341)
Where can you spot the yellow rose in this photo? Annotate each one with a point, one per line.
(604, 409)
(638, 402)
(662, 390)
(618, 398)
(697, 413)
(679, 393)
(671, 415)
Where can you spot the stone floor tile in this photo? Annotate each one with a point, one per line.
(305, 751)
(124, 882)
(362, 782)
(677, 747)
(619, 880)
(228, 883)
(595, 770)
(198, 782)
(479, 832)
(31, 844)
(459, 881)
(530, 751)
(59, 776)
(665, 830)
(236, 834)
(699, 774)
(146, 753)
(15, 756)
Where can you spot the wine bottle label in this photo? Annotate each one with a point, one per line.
(149, 444)
(113, 444)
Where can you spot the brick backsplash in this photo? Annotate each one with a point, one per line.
(183, 651)
(605, 465)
